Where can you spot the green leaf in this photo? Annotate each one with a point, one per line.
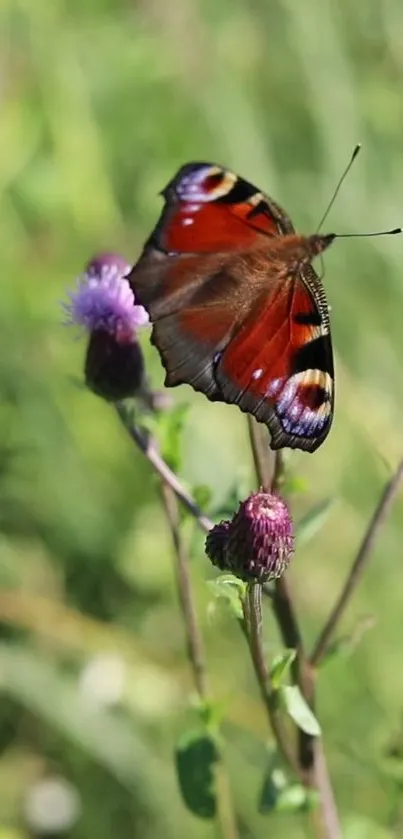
(292, 799)
(273, 784)
(279, 795)
(280, 665)
(196, 755)
(313, 521)
(232, 590)
(298, 709)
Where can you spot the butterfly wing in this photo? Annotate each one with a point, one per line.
(279, 365)
(209, 210)
(225, 319)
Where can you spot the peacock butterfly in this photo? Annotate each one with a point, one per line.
(237, 309)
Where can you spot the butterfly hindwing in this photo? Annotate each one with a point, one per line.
(279, 367)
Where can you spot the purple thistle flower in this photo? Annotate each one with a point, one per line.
(108, 260)
(104, 301)
(257, 543)
(104, 305)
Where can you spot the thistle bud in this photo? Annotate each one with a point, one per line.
(114, 369)
(257, 544)
(216, 541)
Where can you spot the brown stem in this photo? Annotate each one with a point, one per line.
(171, 492)
(194, 641)
(263, 458)
(287, 621)
(311, 759)
(269, 472)
(358, 567)
(146, 444)
(195, 647)
(252, 628)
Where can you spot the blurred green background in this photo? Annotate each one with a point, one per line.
(100, 103)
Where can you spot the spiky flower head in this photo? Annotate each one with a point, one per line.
(257, 543)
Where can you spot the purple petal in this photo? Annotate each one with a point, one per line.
(104, 300)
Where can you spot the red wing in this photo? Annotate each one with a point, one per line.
(209, 209)
(279, 367)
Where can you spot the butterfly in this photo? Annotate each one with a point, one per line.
(237, 309)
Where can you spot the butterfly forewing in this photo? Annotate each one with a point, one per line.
(208, 209)
(236, 312)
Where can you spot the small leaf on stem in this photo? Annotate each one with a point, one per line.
(298, 709)
(280, 796)
(232, 590)
(280, 665)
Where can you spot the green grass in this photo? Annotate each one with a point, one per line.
(100, 103)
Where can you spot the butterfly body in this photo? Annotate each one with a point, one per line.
(237, 310)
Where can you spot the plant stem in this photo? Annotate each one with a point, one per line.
(171, 492)
(311, 760)
(287, 621)
(194, 641)
(252, 628)
(147, 445)
(311, 764)
(358, 567)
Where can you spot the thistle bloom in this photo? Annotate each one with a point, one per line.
(104, 305)
(257, 543)
(104, 300)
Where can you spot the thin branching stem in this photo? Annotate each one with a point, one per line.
(252, 628)
(311, 760)
(194, 640)
(311, 763)
(172, 492)
(147, 445)
(358, 567)
(269, 472)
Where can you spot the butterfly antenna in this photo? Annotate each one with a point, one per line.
(378, 233)
(337, 189)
